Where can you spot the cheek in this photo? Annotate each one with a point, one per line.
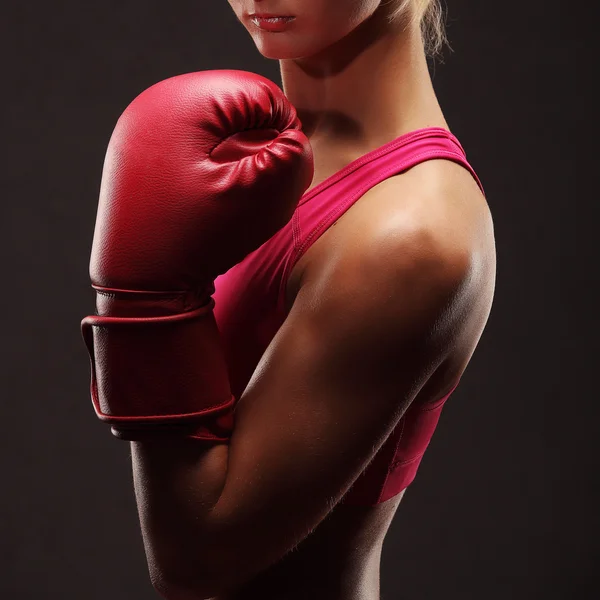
(236, 6)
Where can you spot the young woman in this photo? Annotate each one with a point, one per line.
(345, 332)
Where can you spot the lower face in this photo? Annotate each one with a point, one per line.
(314, 24)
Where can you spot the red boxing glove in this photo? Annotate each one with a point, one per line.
(200, 170)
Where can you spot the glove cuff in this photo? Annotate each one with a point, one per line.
(160, 375)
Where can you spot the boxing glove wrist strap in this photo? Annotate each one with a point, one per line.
(165, 374)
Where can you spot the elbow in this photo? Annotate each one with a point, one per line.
(180, 568)
(172, 585)
(170, 590)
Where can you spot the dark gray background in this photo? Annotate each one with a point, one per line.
(505, 503)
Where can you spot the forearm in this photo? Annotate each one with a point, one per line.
(201, 536)
(177, 485)
(213, 517)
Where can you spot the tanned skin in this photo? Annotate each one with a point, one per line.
(385, 309)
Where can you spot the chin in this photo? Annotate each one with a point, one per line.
(279, 53)
(287, 48)
(275, 45)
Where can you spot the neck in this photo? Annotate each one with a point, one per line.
(370, 87)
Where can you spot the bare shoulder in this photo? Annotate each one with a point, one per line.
(425, 239)
(433, 212)
(437, 197)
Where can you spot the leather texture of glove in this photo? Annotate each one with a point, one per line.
(201, 170)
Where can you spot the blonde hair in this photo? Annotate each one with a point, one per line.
(431, 17)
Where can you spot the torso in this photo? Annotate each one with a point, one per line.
(340, 559)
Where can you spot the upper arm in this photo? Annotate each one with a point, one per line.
(365, 332)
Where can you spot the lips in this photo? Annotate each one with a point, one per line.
(269, 16)
(272, 23)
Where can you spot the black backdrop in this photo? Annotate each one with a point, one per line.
(505, 503)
